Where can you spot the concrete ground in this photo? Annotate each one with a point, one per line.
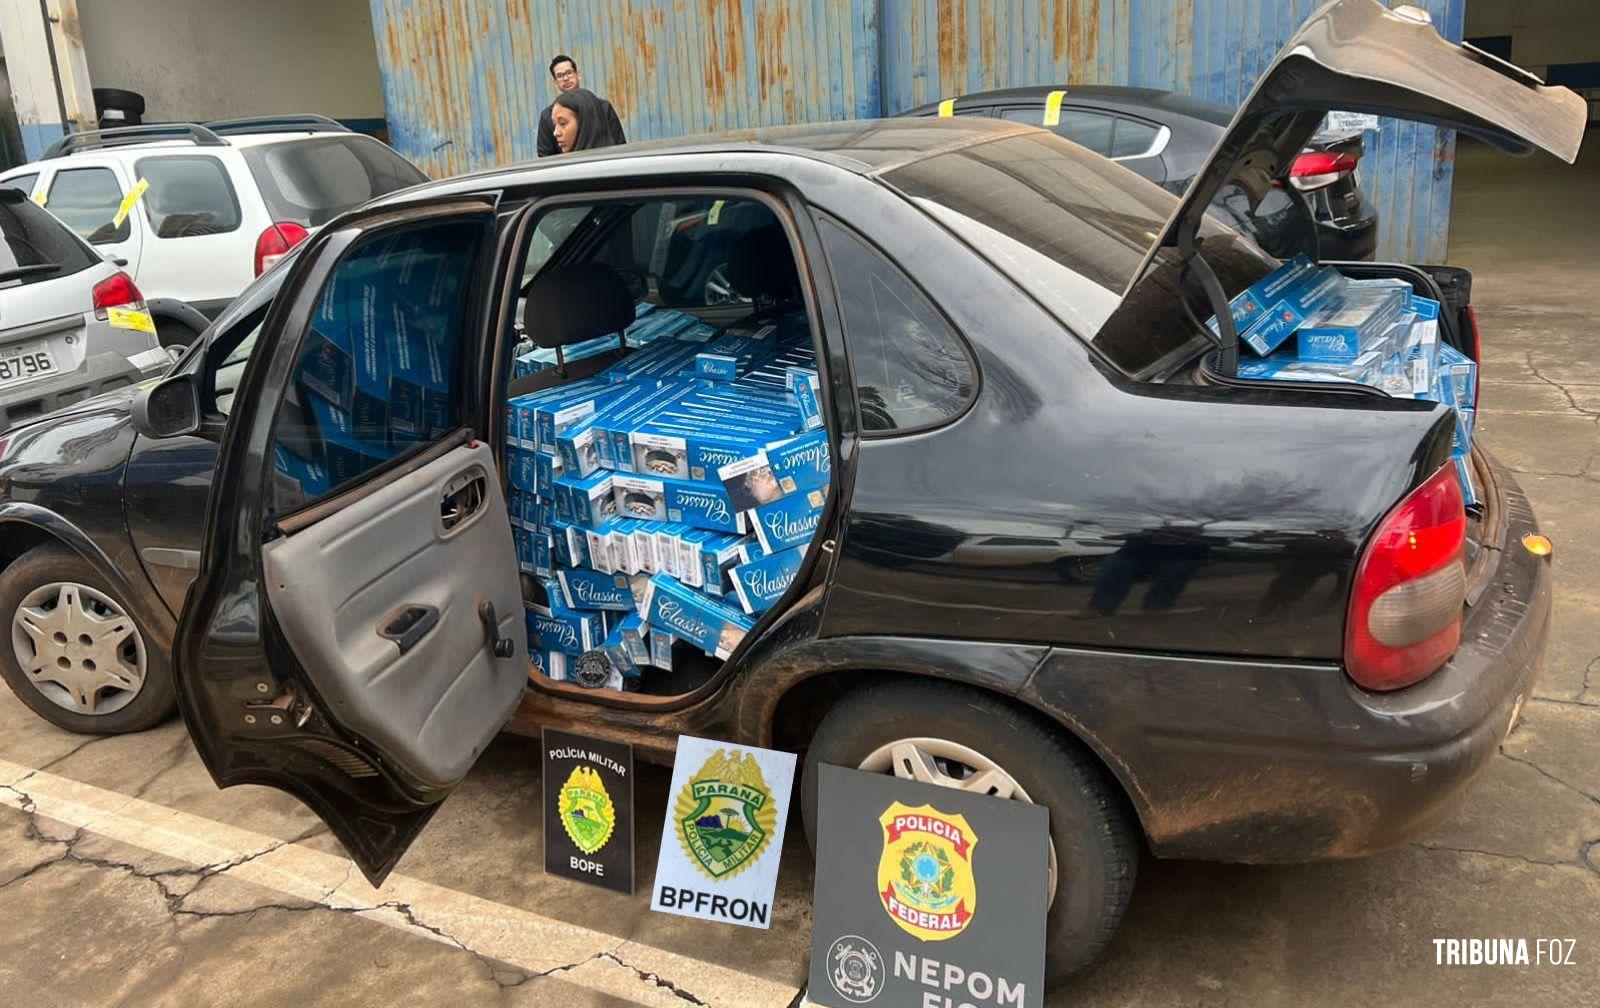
(127, 879)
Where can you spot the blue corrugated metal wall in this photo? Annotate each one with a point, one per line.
(464, 80)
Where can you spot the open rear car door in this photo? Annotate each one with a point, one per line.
(354, 636)
(1360, 56)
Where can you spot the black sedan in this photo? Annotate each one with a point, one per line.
(1065, 555)
(1167, 137)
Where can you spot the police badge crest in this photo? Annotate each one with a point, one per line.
(587, 813)
(725, 814)
(925, 878)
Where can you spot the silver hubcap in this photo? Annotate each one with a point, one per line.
(952, 765)
(78, 648)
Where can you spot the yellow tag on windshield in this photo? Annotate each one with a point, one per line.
(1052, 108)
(126, 207)
(131, 318)
(947, 108)
(38, 197)
(715, 214)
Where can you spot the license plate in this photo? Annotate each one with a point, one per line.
(24, 361)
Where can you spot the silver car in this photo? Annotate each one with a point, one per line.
(72, 324)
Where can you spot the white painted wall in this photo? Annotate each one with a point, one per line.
(216, 59)
(1542, 32)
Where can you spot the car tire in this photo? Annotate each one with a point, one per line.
(68, 602)
(1091, 832)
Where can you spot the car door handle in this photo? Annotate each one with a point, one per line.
(409, 624)
(462, 498)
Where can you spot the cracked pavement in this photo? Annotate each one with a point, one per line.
(95, 919)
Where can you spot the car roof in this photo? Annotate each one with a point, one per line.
(1131, 98)
(862, 146)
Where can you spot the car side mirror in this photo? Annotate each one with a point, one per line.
(169, 408)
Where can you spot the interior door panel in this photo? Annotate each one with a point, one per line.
(386, 603)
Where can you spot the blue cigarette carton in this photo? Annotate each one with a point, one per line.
(567, 545)
(558, 628)
(520, 471)
(542, 548)
(567, 404)
(1469, 492)
(1461, 442)
(1458, 377)
(325, 364)
(631, 633)
(758, 585)
(590, 500)
(1364, 370)
(597, 546)
(1346, 327)
(703, 505)
(617, 425)
(681, 451)
(297, 479)
(587, 589)
(578, 446)
(550, 664)
(343, 453)
(1299, 303)
(789, 521)
(707, 557)
(1254, 301)
(520, 424)
(711, 624)
(660, 648)
(804, 385)
(547, 468)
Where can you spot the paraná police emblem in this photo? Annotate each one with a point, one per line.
(587, 813)
(725, 814)
(925, 878)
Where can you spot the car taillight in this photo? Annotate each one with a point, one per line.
(1320, 169)
(1405, 609)
(114, 291)
(275, 241)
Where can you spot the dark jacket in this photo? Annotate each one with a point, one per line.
(547, 133)
(598, 123)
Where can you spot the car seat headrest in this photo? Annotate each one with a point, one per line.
(572, 303)
(761, 265)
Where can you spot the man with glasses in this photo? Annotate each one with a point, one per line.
(565, 72)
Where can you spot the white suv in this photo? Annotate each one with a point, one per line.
(195, 212)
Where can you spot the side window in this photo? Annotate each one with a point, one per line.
(86, 200)
(377, 371)
(911, 369)
(189, 195)
(1132, 138)
(21, 183)
(553, 229)
(1086, 129)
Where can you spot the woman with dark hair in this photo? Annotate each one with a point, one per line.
(583, 120)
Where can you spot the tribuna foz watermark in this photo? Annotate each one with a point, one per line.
(1503, 951)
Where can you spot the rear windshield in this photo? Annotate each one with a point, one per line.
(310, 182)
(1084, 212)
(34, 246)
(1070, 228)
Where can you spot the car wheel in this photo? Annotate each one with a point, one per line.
(955, 737)
(719, 290)
(76, 656)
